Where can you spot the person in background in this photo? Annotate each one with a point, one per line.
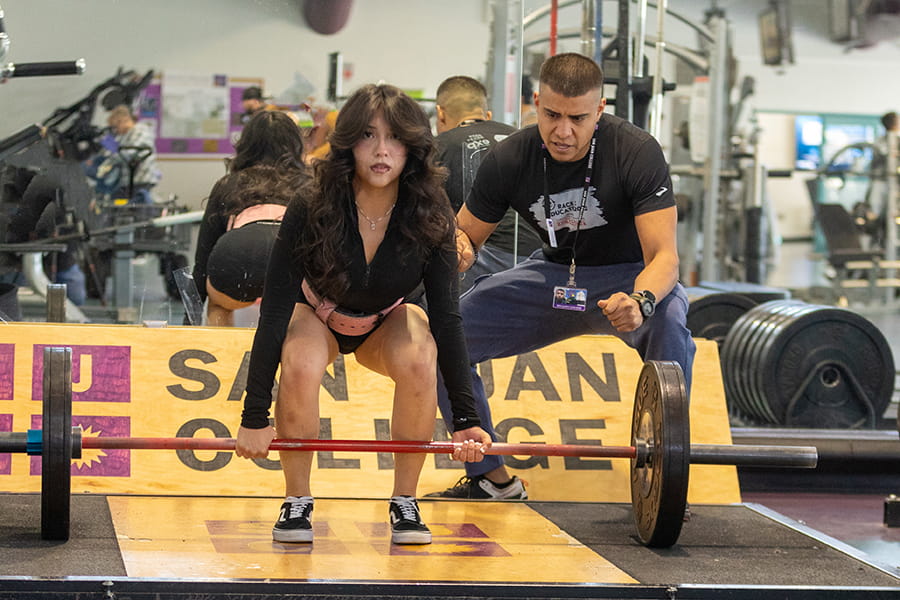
(597, 190)
(134, 146)
(318, 146)
(40, 199)
(891, 123)
(243, 213)
(465, 135)
(527, 113)
(365, 235)
(253, 101)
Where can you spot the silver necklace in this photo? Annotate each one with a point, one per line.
(374, 222)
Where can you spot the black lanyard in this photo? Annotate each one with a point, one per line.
(588, 174)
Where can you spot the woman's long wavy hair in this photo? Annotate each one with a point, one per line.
(422, 213)
(268, 163)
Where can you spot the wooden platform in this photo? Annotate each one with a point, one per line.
(178, 547)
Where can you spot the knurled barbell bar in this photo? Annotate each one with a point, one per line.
(660, 452)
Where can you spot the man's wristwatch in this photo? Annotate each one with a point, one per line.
(646, 302)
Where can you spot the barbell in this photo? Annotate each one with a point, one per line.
(660, 450)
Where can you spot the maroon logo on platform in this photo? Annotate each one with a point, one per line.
(99, 373)
(255, 537)
(7, 370)
(95, 462)
(5, 458)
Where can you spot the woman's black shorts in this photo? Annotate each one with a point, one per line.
(237, 263)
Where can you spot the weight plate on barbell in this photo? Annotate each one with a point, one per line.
(659, 487)
(56, 451)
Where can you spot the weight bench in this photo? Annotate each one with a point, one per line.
(855, 267)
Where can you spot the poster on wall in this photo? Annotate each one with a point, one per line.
(195, 115)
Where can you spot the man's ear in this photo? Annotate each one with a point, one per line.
(601, 108)
(441, 113)
(488, 115)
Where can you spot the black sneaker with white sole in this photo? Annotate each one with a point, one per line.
(482, 488)
(406, 522)
(293, 523)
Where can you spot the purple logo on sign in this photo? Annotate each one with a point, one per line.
(95, 462)
(7, 370)
(5, 459)
(99, 373)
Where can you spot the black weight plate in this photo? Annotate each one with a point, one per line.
(731, 375)
(659, 487)
(56, 452)
(742, 344)
(852, 367)
(778, 313)
(736, 357)
(734, 373)
(711, 316)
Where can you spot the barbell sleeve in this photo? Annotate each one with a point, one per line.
(804, 457)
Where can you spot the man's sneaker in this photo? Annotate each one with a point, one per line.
(482, 488)
(406, 522)
(293, 523)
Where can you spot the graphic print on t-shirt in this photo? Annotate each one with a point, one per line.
(565, 208)
(474, 150)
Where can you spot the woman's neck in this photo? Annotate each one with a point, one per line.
(375, 197)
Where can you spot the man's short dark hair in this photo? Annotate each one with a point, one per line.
(571, 74)
(889, 120)
(252, 93)
(461, 94)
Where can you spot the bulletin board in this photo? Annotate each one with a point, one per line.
(195, 115)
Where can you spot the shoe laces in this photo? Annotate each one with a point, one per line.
(409, 510)
(299, 507)
(464, 482)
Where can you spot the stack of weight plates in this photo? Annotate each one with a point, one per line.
(793, 364)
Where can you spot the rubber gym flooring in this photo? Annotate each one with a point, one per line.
(147, 544)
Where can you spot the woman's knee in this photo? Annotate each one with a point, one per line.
(415, 361)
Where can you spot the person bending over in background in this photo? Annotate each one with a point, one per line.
(243, 213)
(365, 234)
(466, 133)
(596, 189)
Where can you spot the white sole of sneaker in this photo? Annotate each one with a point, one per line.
(292, 535)
(411, 537)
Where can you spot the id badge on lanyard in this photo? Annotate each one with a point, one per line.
(570, 296)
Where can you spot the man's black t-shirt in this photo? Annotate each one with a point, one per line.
(630, 177)
(461, 150)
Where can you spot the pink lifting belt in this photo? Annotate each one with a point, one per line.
(257, 212)
(330, 314)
